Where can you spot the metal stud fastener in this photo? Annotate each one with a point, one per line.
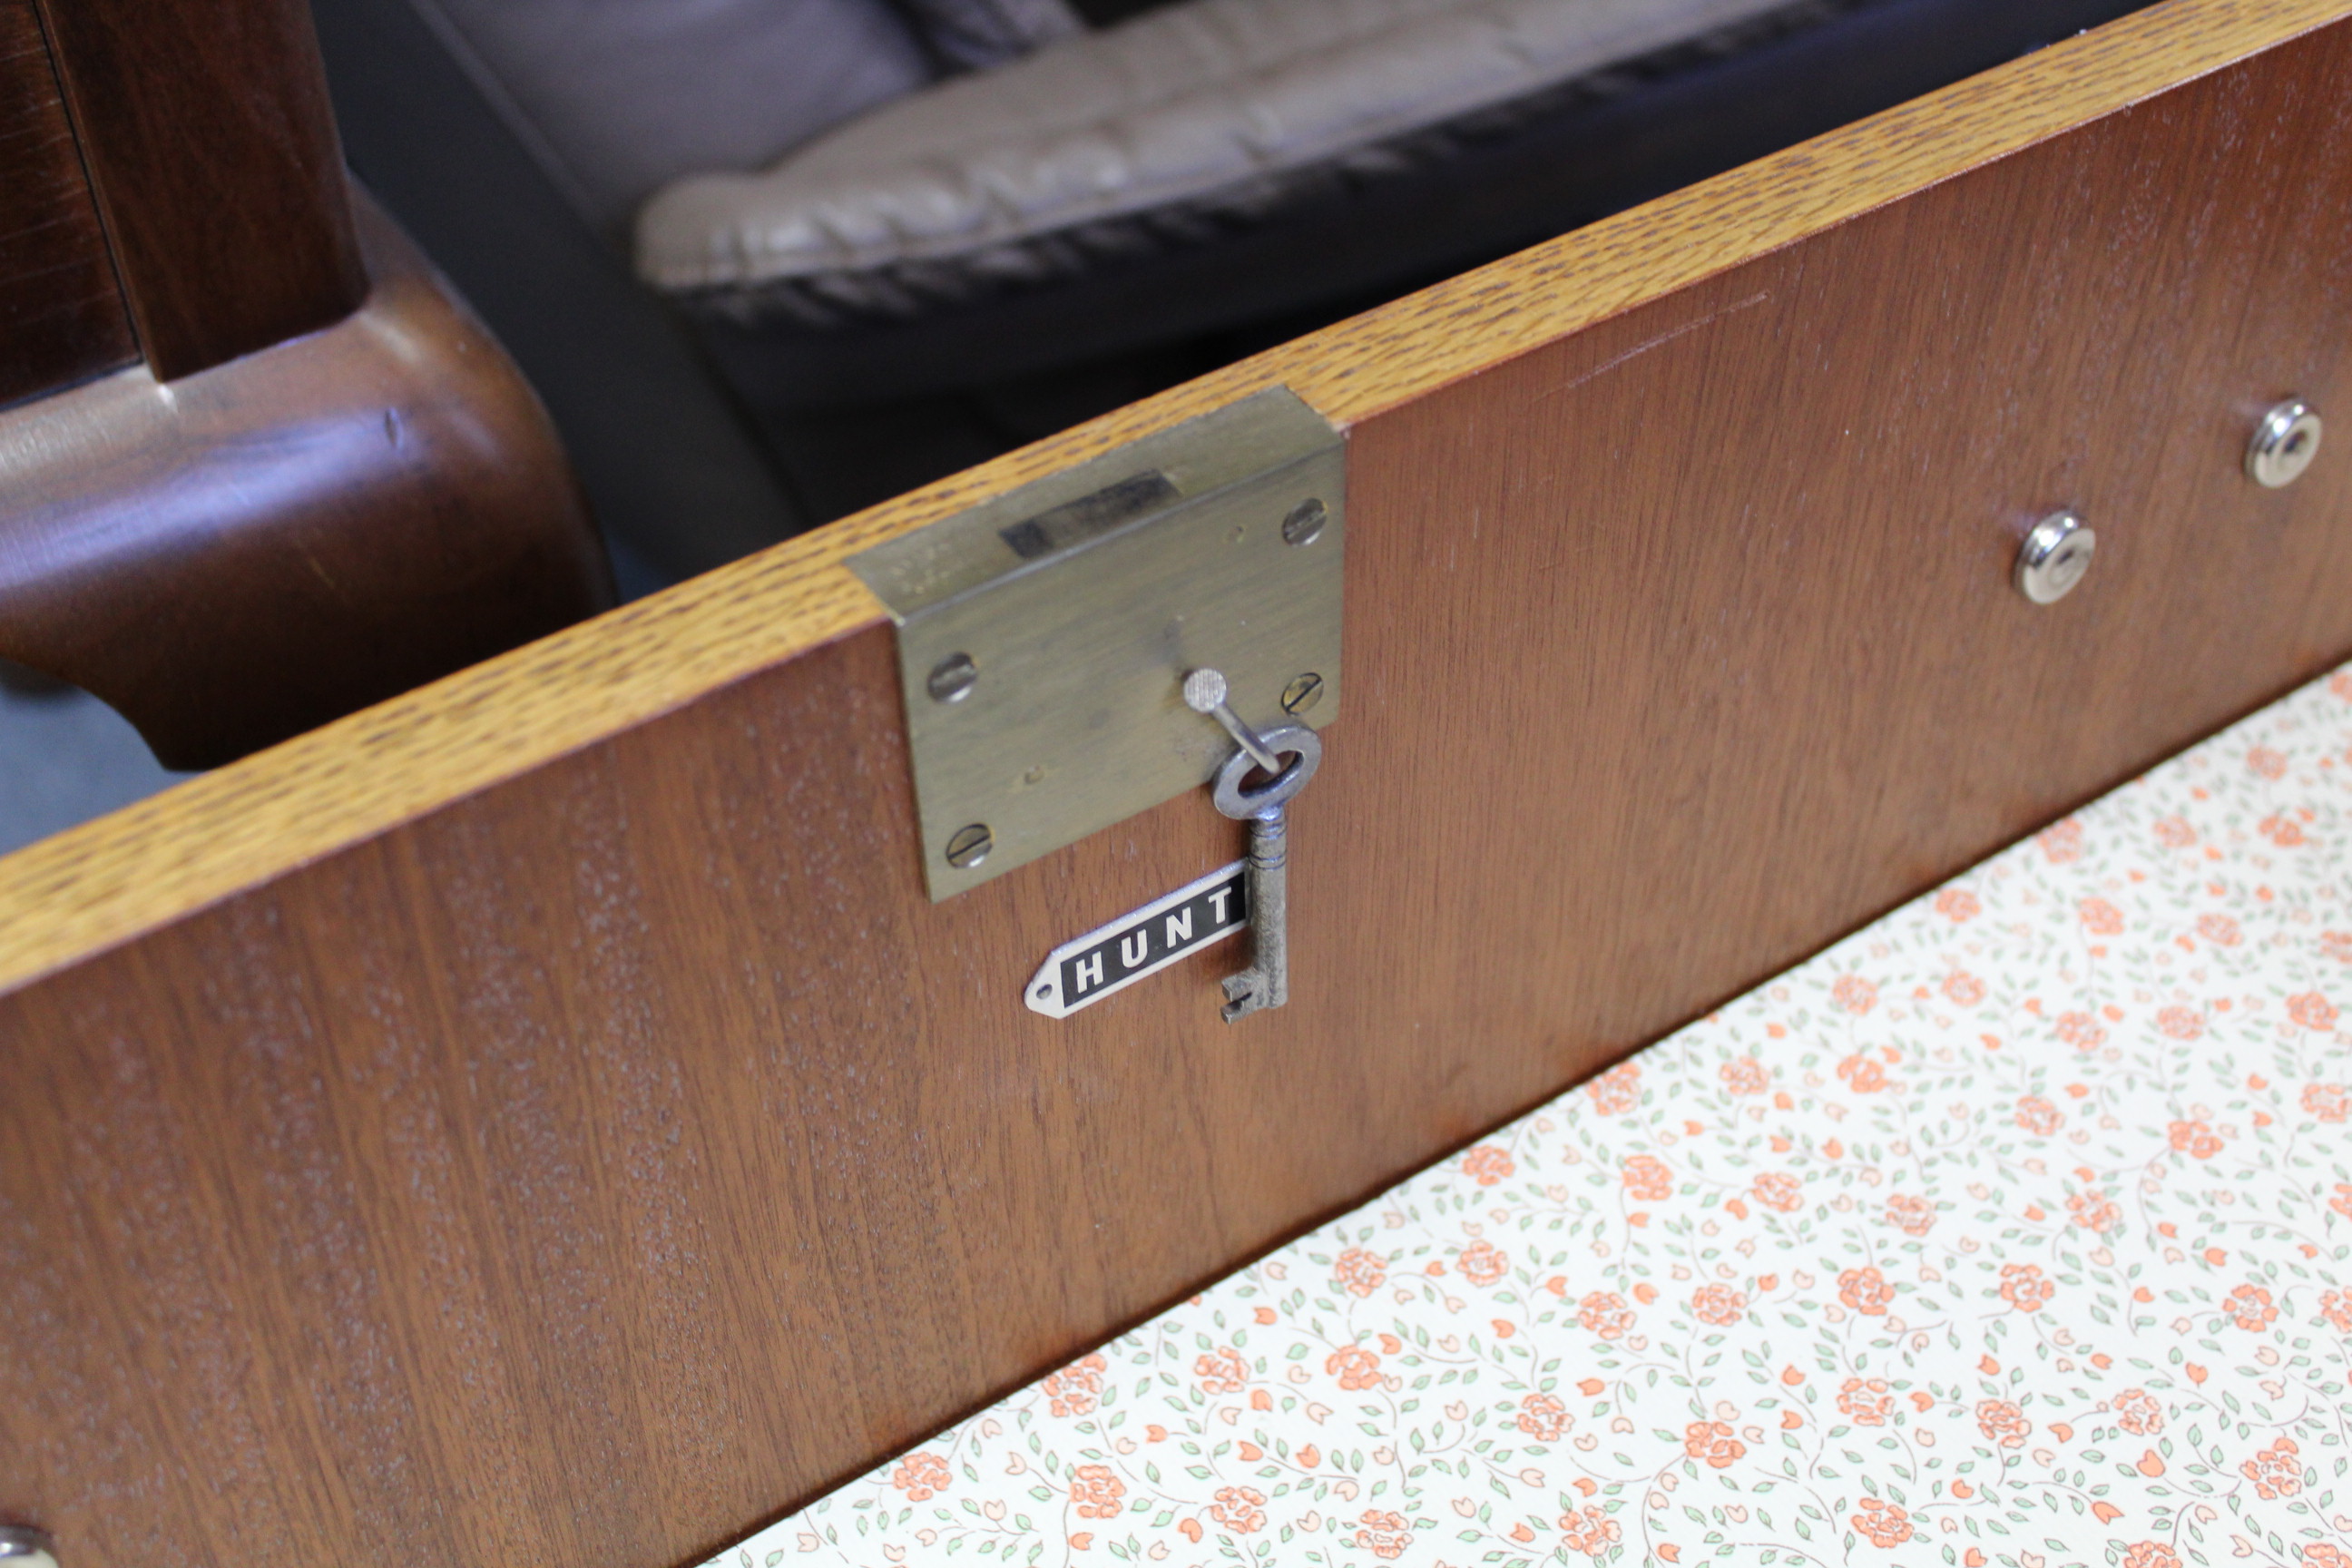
(970, 845)
(2284, 442)
(2055, 555)
(1305, 523)
(952, 678)
(21, 1546)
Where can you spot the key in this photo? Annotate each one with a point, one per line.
(1266, 982)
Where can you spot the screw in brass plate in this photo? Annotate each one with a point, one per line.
(1302, 693)
(970, 845)
(21, 1546)
(1305, 523)
(952, 678)
(2284, 444)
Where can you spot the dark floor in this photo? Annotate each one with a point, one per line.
(64, 757)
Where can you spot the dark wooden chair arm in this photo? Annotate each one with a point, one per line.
(244, 552)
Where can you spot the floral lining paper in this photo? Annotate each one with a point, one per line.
(2012, 1229)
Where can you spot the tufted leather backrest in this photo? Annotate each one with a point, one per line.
(618, 97)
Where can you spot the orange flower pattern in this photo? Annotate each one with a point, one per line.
(2016, 1227)
(1865, 1401)
(2312, 1010)
(1853, 994)
(1384, 1533)
(1487, 1165)
(1884, 1523)
(1241, 1510)
(1542, 1418)
(1074, 1390)
(1866, 1290)
(1483, 1263)
(1711, 1442)
(1590, 1530)
(1222, 1371)
(2002, 1423)
(1719, 1304)
(921, 1476)
(2137, 1414)
(2092, 1210)
(1616, 1091)
(1094, 1491)
(1911, 1216)
(1355, 1367)
(1604, 1312)
(2194, 1139)
(1360, 1272)
(2180, 1022)
(2023, 1288)
(2276, 1471)
(1648, 1178)
(1745, 1075)
(1862, 1074)
(2249, 1307)
(2038, 1116)
(2081, 1030)
(2101, 918)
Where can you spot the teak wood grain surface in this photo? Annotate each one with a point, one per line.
(542, 1119)
(61, 316)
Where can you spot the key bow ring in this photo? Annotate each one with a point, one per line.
(1234, 798)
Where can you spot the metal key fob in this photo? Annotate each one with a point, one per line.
(1266, 982)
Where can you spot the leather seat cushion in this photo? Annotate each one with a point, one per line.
(1123, 140)
(617, 97)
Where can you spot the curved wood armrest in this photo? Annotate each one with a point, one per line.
(243, 553)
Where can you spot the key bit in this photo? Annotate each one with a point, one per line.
(1266, 982)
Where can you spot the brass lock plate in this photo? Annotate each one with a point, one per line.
(1044, 636)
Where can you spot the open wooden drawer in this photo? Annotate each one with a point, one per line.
(544, 1118)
